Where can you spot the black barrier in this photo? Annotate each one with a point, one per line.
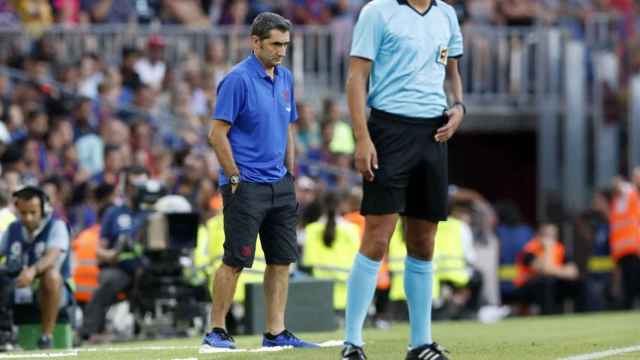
(309, 307)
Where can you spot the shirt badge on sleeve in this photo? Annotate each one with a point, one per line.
(442, 54)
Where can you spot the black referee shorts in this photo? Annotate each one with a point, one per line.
(412, 176)
(266, 209)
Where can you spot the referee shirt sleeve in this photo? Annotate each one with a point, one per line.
(231, 98)
(367, 34)
(455, 41)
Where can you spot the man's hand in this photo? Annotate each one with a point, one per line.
(455, 115)
(366, 158)
(26, 277)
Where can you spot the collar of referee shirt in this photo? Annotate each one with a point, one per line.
(406, 2)
(256, 64)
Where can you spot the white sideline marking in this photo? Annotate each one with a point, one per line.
(210, 350)
(74, 352)
(39, 355)
(603, 354)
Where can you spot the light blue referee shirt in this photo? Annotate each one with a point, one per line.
(409, 51)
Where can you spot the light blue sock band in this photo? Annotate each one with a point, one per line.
(361, 287)
(418, 280)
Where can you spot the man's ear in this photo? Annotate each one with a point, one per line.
(255, 41)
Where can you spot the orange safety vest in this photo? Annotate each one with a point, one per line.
(86, 270)
(624, 220)
(535, 247)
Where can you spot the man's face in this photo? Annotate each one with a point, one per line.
(30, 212)
(272, 50)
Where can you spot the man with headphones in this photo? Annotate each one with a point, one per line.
(36, 247)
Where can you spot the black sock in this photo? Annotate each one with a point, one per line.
(272, 337)
(219, 330)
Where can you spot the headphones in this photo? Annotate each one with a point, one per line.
(30, 191)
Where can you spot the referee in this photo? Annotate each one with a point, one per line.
(405, 49)
(252, 136)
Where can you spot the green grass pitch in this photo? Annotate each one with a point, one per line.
(512, 339)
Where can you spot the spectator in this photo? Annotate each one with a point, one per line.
(592, 252)
(187, 12)
(47, 261)
(546, 276)
(8, 16)
(624, 239)
(90, 75)
(342, 140)
(118, 255)
(311, 12)
(152, 67)
(216, 59)
(68, 12)
(110, 11)
(34, 14)
(235, 12)
(513, 234)
(113, 165)
(308, 132)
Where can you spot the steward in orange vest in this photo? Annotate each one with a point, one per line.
(624, 239)
(86, 271)
(544, 277)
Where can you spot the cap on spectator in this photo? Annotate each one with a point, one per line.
(156, 41)
(306, 183)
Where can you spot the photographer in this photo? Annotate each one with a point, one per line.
(37, 269)
(118, 254)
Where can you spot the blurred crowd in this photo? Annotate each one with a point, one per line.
(205, 13)
(72, 125)
(198, 13)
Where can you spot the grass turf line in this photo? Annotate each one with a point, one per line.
(521, 338)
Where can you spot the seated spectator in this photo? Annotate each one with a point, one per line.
(546, 276)
(42, 241)
(118, 255)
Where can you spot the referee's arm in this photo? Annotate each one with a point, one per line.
(456, 112)
(366, 157)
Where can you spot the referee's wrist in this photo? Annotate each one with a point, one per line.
(461, 105)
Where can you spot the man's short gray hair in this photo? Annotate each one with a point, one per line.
(267, 21)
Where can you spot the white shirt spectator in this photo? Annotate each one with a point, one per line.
(151, 74)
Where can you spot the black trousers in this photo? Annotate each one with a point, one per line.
(6, 301)
(630, 269)
(112, 281)
(549, 293)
